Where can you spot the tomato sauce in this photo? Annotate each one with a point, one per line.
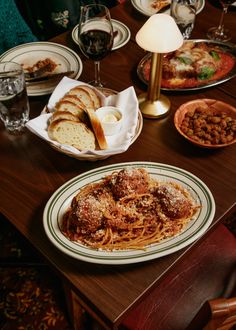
(226, 64)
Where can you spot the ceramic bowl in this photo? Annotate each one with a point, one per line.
(209, 130)
(110, 118)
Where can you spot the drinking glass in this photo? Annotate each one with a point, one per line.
(184, 14)
(219, 33)
(14, 105)
(95, 35)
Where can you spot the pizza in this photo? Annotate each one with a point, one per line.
(193, 65)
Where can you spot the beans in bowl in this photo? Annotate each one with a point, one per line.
(209, 126)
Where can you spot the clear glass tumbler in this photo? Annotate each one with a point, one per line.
(184, 14)
(14, 104)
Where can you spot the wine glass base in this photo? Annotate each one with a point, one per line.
(104, 90)
(107, 91)
(96, 84)
(215, 34)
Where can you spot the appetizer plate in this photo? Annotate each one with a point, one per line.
(122, 34)
(225, 47)
(145, 7)
(30, 53)
(61, 199)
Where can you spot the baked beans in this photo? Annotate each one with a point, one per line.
(209, 126)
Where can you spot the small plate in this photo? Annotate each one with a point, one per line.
(28, 54)
(144, 7)
(61, 199)
(122, 37)
(123, 34)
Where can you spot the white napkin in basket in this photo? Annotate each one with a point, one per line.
(118, 143)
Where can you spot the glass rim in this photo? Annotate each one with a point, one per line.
(18, 69)
(93, 6)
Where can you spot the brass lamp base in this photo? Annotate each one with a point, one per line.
(154, 109)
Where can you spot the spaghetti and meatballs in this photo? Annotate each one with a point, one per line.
(127, 210)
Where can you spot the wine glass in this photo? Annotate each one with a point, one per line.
(219, 33)
(95, 35)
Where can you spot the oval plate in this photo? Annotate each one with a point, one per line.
(28, 54)
(230, 48)
(61, 199)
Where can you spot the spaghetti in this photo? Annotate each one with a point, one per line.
(127, 210)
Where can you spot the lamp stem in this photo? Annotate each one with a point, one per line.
(153, 104)
(154, 86)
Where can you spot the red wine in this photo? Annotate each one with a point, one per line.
(95, 44)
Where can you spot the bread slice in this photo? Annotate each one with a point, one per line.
(74, 99)
(72, 133)
(73, 108)
(94, 96)
(83, 95)
(97, 128)
(63, 115)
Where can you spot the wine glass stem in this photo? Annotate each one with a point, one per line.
(97, 81)
(221, 24)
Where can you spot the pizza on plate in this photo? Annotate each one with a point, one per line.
(192, 65)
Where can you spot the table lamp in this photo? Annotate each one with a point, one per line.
(158, 35)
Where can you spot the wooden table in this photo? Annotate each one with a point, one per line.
(31, 171)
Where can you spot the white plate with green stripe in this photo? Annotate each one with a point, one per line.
(121, 31)
(61, 199)
(30, 53)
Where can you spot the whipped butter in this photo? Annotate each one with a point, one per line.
(110, 118)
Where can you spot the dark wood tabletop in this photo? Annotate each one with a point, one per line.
(31, 171)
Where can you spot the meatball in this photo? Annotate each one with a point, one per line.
(174, 204)
(129, 181)
(89, 214)
(90, 206)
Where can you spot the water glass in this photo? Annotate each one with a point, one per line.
(184, 14)
(14, 104)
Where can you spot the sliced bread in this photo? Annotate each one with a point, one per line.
(83, 95)
(72, 133)
(63, 115)
(95, 97)
(70, 105)
(97, 128)
(74, 99)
